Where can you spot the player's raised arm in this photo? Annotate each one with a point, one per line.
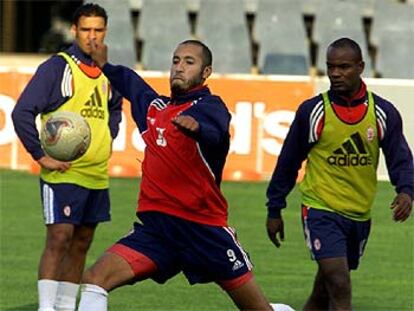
(99, 53)
(127, 82)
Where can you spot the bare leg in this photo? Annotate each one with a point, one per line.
(74, 261)
(333, 278)
(109, 272)
(72, 266)
(249, 297)
(58, 239)
(319, 298)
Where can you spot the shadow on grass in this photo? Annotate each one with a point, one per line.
(29, 307)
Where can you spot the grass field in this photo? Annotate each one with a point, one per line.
(384, 281)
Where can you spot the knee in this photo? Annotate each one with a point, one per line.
(339, 283)
(82, 243)
(99, 277)
(90, 276)
(58, 240)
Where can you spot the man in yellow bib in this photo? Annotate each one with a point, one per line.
(340, 133)
(74, 194)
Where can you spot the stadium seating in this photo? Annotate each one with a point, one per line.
(338, 19)
(121, 46)
(402, 18)
(222, 26)
(162, 25)
(279, 42)
(395, 54)
(311, 7)
(280, 33)
(135, 4)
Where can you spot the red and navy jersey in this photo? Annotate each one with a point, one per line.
(181, 172)
(51, 87)
(307, 127)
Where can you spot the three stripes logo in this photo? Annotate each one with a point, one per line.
(351, 153)
(93, 107)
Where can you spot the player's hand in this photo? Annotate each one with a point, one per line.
(402, 207)
(187, 123)
(99, 53)
(53, 165)
(274, 228)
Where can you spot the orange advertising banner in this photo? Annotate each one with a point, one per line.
(262, 109)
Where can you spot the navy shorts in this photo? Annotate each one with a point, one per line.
(73, 204)
(203, 253)
(330, 235)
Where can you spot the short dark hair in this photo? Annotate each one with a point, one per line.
(207, 56)
(348, 43)
(89, 9)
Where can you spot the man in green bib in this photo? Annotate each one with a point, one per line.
(75, 194)
(340, 133)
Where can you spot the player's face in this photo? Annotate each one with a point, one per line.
(187, 70)
(344, 70)
(89, 28)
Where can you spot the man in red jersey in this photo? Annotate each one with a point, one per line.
(182, 212)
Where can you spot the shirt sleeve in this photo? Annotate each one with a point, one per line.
(115, 112)
(398, 156)
(42, 94)
(131, 86)
(294, 151)
(213, 118)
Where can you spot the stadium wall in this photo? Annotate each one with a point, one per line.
(262, 107)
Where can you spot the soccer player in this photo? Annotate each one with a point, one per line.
(182, 213)
(75, 195)
(340, 133)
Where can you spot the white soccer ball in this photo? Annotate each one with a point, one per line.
(281, 307)
(65, 136)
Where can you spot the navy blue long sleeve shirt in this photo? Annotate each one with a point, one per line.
(307, 128)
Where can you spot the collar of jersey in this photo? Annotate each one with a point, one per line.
(359, 98)
(77, 52)
(193, 94)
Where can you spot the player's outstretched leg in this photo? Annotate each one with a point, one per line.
(109, 272)
(249, 297)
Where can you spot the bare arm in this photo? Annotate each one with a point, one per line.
(99, 53)
(402, 207)
(275, 227)
(53, 165)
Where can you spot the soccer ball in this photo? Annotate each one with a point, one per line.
(65, 136)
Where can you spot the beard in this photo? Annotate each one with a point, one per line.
(179, 87)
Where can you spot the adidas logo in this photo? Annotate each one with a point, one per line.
(93, 107)
(237, 265)
(351, 153)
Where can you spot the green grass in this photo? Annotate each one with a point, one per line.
(384, 281)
